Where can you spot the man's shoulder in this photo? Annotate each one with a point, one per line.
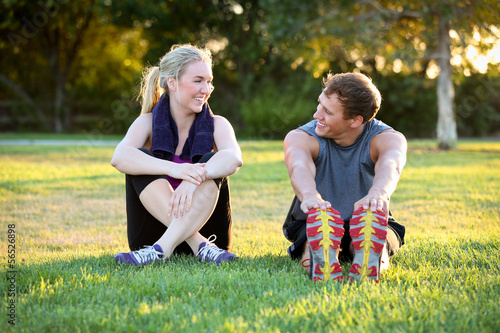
(390, 134)
(309, 127)
(379, 128)
(306, 131)
(387, 140)
(299, 140)
(378, 125)
(299, 135)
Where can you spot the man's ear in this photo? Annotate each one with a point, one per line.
(356, 121)
(172, 84)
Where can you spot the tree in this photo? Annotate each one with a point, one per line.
(390, 35)
(245, 59)
(62, 56)
(58, 27)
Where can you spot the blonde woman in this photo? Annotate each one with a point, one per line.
(177, 156)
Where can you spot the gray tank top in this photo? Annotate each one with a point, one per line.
(343, 174)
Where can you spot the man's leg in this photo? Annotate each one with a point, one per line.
(305, 260)
(392, 246)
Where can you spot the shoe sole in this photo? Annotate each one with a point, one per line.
(324, 232)
(368, 231)
(127, 259)
(122, 258)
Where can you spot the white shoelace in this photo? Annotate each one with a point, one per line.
(146, 255)
(210, 250)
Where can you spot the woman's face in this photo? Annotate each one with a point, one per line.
(194, 86)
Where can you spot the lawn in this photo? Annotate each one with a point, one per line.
(66, 207)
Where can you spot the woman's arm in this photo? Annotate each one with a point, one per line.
(128, 159)
(228, 158)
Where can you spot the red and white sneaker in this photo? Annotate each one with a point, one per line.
(368, 231)
(324, 232)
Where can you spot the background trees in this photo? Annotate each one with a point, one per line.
(392, 36)
(63, 59)
(72, 66)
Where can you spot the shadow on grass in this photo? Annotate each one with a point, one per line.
(269, 291)
(24, 186)
(453, 251)
(434, 260)
(104, 268)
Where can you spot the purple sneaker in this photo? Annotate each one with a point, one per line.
(209, 252)
(145, 256)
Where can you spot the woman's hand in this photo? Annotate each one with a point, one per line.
(181, 200)
(193, 173)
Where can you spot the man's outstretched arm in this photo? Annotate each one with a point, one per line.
(300, 151)
(388, 151)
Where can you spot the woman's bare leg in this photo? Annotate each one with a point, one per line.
(155, 197)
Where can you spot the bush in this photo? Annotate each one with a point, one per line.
(409, 104)
(477, 105)
(277, 109)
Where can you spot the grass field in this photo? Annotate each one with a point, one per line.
(66, 207)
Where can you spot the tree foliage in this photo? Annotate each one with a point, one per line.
(61, 52)
(70, 66)
(388, 36)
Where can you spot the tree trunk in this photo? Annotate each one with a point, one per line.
(27, 99)
(446, 126)
(58, 103)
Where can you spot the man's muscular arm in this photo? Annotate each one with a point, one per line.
(300, 151)
(388, 151)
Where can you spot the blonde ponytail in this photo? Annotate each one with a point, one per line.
(173, 64)
(150, 89)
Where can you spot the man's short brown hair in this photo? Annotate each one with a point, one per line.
(356, 93)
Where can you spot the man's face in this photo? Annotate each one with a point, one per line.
(330, 116)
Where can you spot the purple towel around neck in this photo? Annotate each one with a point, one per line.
(166, 138)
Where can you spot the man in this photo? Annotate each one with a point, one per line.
(344, 166)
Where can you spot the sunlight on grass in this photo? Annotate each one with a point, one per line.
(68, 205)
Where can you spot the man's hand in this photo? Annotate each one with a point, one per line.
(374, 201)
(314, 202)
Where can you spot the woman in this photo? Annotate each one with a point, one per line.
(177, 156)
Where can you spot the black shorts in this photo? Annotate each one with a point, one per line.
(295, 231)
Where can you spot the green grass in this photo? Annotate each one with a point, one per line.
(83, 135)
(68, 206)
